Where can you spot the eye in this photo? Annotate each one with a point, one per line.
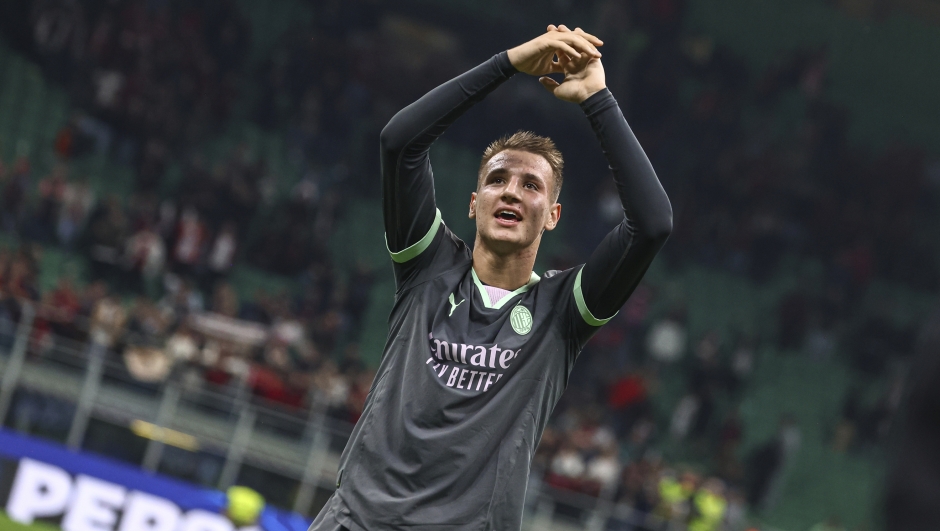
(531, 186)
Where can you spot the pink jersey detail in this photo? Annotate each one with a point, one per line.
(495, 293)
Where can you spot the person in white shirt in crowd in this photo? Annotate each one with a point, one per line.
(221, 255)
(667, 339)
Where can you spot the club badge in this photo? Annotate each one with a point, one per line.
(521, 320)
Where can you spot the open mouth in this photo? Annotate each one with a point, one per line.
(508, 217)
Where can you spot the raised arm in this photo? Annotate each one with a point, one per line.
(407, 180)
(619, 262)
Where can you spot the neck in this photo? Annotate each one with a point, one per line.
(507, 271)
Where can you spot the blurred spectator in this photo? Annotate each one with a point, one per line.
(180, 299)
(708, 506)
(190, 238)
(108, 228)
(675, 495)
(74, 138)
(627, 400)
(358, 393)
(15, 183)
(19, 278)
(567, 468)
(269, 378)
(62, 310)
(736, 513)
(225, 300)
(289, 330)
(147, 364)
(741, 364)
(221, 255)
(729, 439)
(352, 363)
(146, 323)
(666, 340)
(767, 465)
(51, 196)
(683, 416)
(332, 390)
(144, 258)
(78, 199)
(107, 322)
(846, 427)
(707, 375)
(603, 470)
(181, 346)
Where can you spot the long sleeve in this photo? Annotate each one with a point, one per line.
(407, 180)
(619, 262)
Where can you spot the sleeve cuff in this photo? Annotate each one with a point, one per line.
(502, 61)
(418, 247)
(598, 102)
(582, 306)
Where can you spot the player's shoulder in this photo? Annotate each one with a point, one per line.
(561, 275)
(552, 273)
(560, 281)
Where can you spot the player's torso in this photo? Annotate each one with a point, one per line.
(472, 343)
(462, 394)
(463, 350)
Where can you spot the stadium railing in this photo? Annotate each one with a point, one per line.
(79, 392)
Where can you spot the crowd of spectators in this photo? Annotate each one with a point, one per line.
(583, 455)
(146, 78)
(747, 197)
(275, 348)
(155, 78)
(158, 296)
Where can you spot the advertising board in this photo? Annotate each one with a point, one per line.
(44, 481)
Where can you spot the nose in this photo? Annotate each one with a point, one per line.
(512, 190)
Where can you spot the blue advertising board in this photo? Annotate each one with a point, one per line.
(40, 480)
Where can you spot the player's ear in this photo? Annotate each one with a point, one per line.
(554, 215)
(473, 205)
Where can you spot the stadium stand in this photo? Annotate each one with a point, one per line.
(732, 361)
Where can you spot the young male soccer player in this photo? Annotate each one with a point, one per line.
(479, 346)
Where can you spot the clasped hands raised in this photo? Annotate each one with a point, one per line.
(563, 51)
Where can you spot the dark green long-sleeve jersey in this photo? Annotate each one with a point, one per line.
(466, 386)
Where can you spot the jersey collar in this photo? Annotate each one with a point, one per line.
(533, 280)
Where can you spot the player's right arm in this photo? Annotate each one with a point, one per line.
(411, 216)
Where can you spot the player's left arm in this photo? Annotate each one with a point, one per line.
(615, 268)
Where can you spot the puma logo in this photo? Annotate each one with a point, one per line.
(453, 306)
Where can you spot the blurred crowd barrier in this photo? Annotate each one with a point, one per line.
(84, 395)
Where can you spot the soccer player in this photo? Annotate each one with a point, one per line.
(480, 347)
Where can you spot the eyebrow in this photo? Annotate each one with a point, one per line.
(502, 170)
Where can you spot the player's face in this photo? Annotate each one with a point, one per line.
(513, 202)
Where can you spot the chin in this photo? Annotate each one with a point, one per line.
(503, 243)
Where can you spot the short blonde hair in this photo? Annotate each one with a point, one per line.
(531, 143)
